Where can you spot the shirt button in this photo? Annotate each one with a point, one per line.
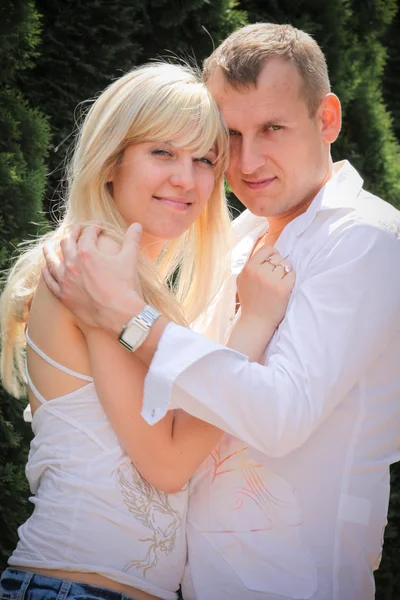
(241, 261)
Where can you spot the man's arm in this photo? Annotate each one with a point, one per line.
(340, 319)
(99, 289)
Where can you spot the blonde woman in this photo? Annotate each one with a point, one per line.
(108, 490)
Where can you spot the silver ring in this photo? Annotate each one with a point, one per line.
(270, 261)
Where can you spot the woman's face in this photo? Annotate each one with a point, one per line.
(162, 187)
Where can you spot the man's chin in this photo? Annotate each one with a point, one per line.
(261, 208)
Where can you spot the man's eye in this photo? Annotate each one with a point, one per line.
(274, 128)
(205, 161)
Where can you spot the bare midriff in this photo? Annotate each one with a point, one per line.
(94, 579)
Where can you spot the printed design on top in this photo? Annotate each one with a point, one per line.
(251, 516)
(253, 483)
(152, 508)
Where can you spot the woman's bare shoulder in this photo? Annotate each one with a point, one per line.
(55, 330)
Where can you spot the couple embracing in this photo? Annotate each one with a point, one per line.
(214, 407)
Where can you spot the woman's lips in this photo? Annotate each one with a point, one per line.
(180, 204)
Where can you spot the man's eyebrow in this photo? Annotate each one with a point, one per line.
(263, 124)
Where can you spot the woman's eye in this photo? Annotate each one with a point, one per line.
(161, 152)
(233, 132)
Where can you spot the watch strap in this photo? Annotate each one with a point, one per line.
(144, 320)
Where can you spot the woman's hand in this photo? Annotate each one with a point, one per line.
(264, 288)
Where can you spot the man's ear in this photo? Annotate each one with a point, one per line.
(330, 117)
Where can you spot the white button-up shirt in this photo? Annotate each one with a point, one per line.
(293, 503)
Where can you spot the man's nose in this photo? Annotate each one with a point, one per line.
(251, 157)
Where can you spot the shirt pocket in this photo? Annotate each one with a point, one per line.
(252, 517)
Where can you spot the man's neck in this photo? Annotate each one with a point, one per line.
(277, 223)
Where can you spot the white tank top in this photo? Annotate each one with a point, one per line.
(93, 511)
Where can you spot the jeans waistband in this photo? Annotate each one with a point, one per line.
(15, 583)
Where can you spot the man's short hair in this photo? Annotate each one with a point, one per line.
(242, 56)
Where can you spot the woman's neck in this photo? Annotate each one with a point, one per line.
(151, 247)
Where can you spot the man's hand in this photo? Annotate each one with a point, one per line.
(99, 289)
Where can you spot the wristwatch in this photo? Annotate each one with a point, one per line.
(137, 329)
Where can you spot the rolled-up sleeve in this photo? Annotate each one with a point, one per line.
(342, 316)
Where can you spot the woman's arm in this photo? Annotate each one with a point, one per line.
(263, 292)
(168, 453)
(165, 455)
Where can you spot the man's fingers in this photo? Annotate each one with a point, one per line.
(51, 282)
(87, 242)
(132, 239)
(54, 265)
(75, 232)
(69, 242)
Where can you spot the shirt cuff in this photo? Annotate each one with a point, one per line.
(178, 348)
(27, 414)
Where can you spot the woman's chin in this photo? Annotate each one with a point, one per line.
(153, 241)
(164, 234)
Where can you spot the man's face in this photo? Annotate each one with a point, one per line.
(278, 154)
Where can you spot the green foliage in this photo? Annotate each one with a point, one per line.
(23, 146)
(14, 442)
(189, 29)
(391, 81)
(387, 577)
(367, 138)
(22, 169)
(19, 34)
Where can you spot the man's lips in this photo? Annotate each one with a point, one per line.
(176, 202)
(259, 183)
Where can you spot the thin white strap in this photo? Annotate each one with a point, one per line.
(34, 389)
(53, 362)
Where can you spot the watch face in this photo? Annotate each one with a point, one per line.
(134, 335)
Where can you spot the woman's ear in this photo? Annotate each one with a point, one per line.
(110, 188)
(330, 117)
(110, 179)
(111, 175)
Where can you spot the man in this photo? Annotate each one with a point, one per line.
(293, 502)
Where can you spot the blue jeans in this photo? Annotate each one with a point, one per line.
(25, 585)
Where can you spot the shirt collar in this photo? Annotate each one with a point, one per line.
(340, 191)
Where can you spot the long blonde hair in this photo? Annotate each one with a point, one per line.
(158, 101)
